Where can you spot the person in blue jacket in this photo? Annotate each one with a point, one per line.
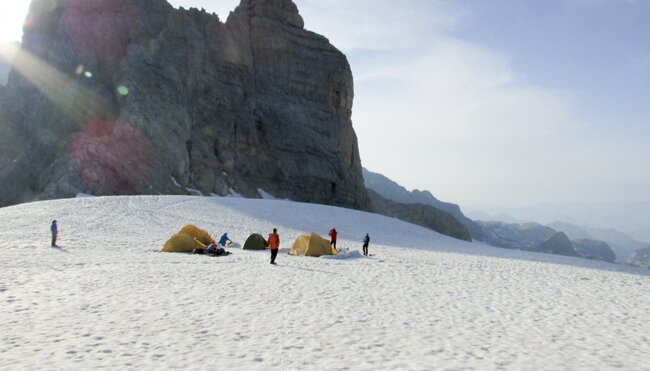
(224, 239)
(55, 233)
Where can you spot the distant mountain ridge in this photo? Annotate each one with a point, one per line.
(515, 236)
(390, 198)
(539, 238)
(641, 235)
(622, 244)
(626, 217)
(420, 214)
(593, 249)
(558, 244)
(391, 190)
(478, 215)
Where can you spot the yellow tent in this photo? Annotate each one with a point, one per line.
(311, 244)
(180, 242)
(197, 233)
(189, 238)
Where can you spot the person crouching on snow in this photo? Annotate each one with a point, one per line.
(215, 250)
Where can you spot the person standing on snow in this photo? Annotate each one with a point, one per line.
(332, 233)
(55, 233)
(224, 239)
(366, 242)
(274, 244)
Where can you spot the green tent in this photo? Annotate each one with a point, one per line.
(255, 242)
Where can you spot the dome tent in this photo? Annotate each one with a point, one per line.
(311, 244)
(198, 234)
(255, 241)
(180, 242)
(189, 238)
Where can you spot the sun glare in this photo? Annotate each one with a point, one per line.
(12, 16)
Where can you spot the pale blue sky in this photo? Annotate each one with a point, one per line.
(501, 102)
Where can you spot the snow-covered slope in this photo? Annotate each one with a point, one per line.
(422, 301)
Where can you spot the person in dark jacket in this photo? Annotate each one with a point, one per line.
(55, 233)
(366, 242)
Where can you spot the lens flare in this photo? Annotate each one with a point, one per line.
(112, 157)
(61, 90)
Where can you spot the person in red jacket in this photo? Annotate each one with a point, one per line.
(274, 244)
(332, 233)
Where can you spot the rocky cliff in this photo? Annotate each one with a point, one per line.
(136, 97)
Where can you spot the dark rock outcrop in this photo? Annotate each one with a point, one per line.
(424, 215)
(391, 190)
(558, 244)
(593, 249)
(136, 97)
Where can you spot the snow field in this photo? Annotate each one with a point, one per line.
(422, 301)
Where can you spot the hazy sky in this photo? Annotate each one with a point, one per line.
(501, 102)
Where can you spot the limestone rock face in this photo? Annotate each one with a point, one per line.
(136, 97)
